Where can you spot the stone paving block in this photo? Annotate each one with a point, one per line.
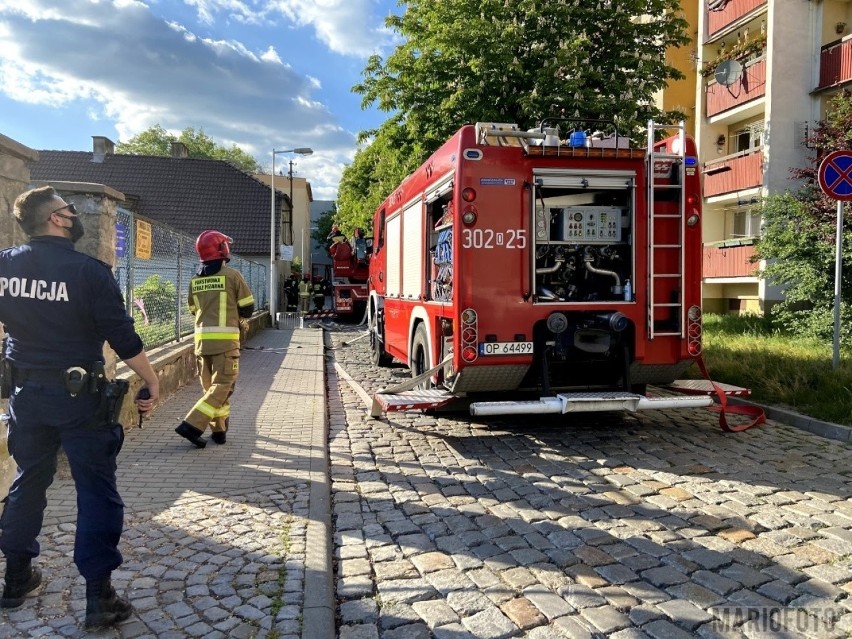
(549, 603)
(468, 602)
(452, 631)
(665, 630)
(396, 614)
(664, 576)
(400, 569)
(645, 613)
(580, 596)
(490, 624)
(684, 613)
(405, 590)
(359, 631)
(435, 612)
(698, 595)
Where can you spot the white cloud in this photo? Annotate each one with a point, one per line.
(126, 66)
(347, 27)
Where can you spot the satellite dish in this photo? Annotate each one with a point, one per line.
(728, 72)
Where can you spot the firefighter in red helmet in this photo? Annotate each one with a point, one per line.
(218, 297)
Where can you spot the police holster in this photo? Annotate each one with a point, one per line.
(111, 397)
(5, 373)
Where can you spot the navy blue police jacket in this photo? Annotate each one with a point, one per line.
(58, 307)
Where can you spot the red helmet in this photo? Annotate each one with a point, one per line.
(213, 245)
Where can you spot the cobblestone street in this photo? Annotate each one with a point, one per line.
(654, 524)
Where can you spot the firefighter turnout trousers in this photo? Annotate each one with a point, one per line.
(218, 375)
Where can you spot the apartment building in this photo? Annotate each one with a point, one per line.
(766, 70)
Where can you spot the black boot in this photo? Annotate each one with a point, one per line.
(219, 436)
(191, 433)
(21, 578)
(103, 606)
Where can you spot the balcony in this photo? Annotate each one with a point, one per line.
(729, 259)
(750, 86)
(731, 173)
(835, 63)
(734, 10)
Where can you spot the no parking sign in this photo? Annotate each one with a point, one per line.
(835, 180)
(835, 175)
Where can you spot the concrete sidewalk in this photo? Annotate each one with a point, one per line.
(228, 541)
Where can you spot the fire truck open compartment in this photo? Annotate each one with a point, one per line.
(583, 234)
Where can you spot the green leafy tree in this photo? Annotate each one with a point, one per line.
(159, 297)
(157, 141)
(799, 237)
(377, 169)
(520, 61)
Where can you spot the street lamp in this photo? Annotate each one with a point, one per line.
(273, 276)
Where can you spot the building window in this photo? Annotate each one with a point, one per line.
(748, 138)
(746, 223)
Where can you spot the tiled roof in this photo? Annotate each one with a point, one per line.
(188, 194)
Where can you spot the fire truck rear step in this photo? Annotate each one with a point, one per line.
(705, 387)
(417, 399)
(587, 403)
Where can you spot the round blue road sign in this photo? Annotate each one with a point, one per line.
(835, 175)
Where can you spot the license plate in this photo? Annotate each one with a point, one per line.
(506, 348)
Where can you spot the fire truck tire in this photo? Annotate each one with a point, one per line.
(420, 359)
(378, 355)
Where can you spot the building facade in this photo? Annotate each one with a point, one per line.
(766, 70)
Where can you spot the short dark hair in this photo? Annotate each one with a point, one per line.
(28, 207)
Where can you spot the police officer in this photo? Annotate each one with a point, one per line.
(58, 307)
(305, 289)
(218, 297)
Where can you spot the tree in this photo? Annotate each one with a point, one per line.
(323, 226)
(524, 60)
(799, 236)
(157, 141)
(520, 61)
(377, 169)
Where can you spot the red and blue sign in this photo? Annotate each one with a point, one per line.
(835, 175)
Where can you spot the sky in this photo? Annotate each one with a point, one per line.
(258, 74)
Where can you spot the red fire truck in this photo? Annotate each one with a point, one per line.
(540, 272)
(349, 274)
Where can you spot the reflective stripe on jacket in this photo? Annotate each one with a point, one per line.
(214, 299)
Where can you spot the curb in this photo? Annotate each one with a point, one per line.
(828, 430)
(318, 613)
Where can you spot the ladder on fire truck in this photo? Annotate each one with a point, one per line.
(666, 172)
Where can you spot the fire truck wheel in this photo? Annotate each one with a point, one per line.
(378, 354)
(420, 359)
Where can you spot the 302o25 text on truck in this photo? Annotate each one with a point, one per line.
(532, 274)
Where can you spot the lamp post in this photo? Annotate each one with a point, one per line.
(273, 276)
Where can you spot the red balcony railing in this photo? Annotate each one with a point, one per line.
(835, 63)
(729, 261)
(733, 11)
(750, 86)
(734, 173)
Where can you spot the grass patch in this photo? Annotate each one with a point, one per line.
(781, 370)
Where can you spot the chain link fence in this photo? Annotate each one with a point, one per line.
(153, 267)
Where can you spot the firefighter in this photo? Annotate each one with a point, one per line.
(218, 297)
(59, 397)
(305, 295)
(318, 293)
(291, 289)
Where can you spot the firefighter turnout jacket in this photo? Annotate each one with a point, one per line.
(216, 298)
